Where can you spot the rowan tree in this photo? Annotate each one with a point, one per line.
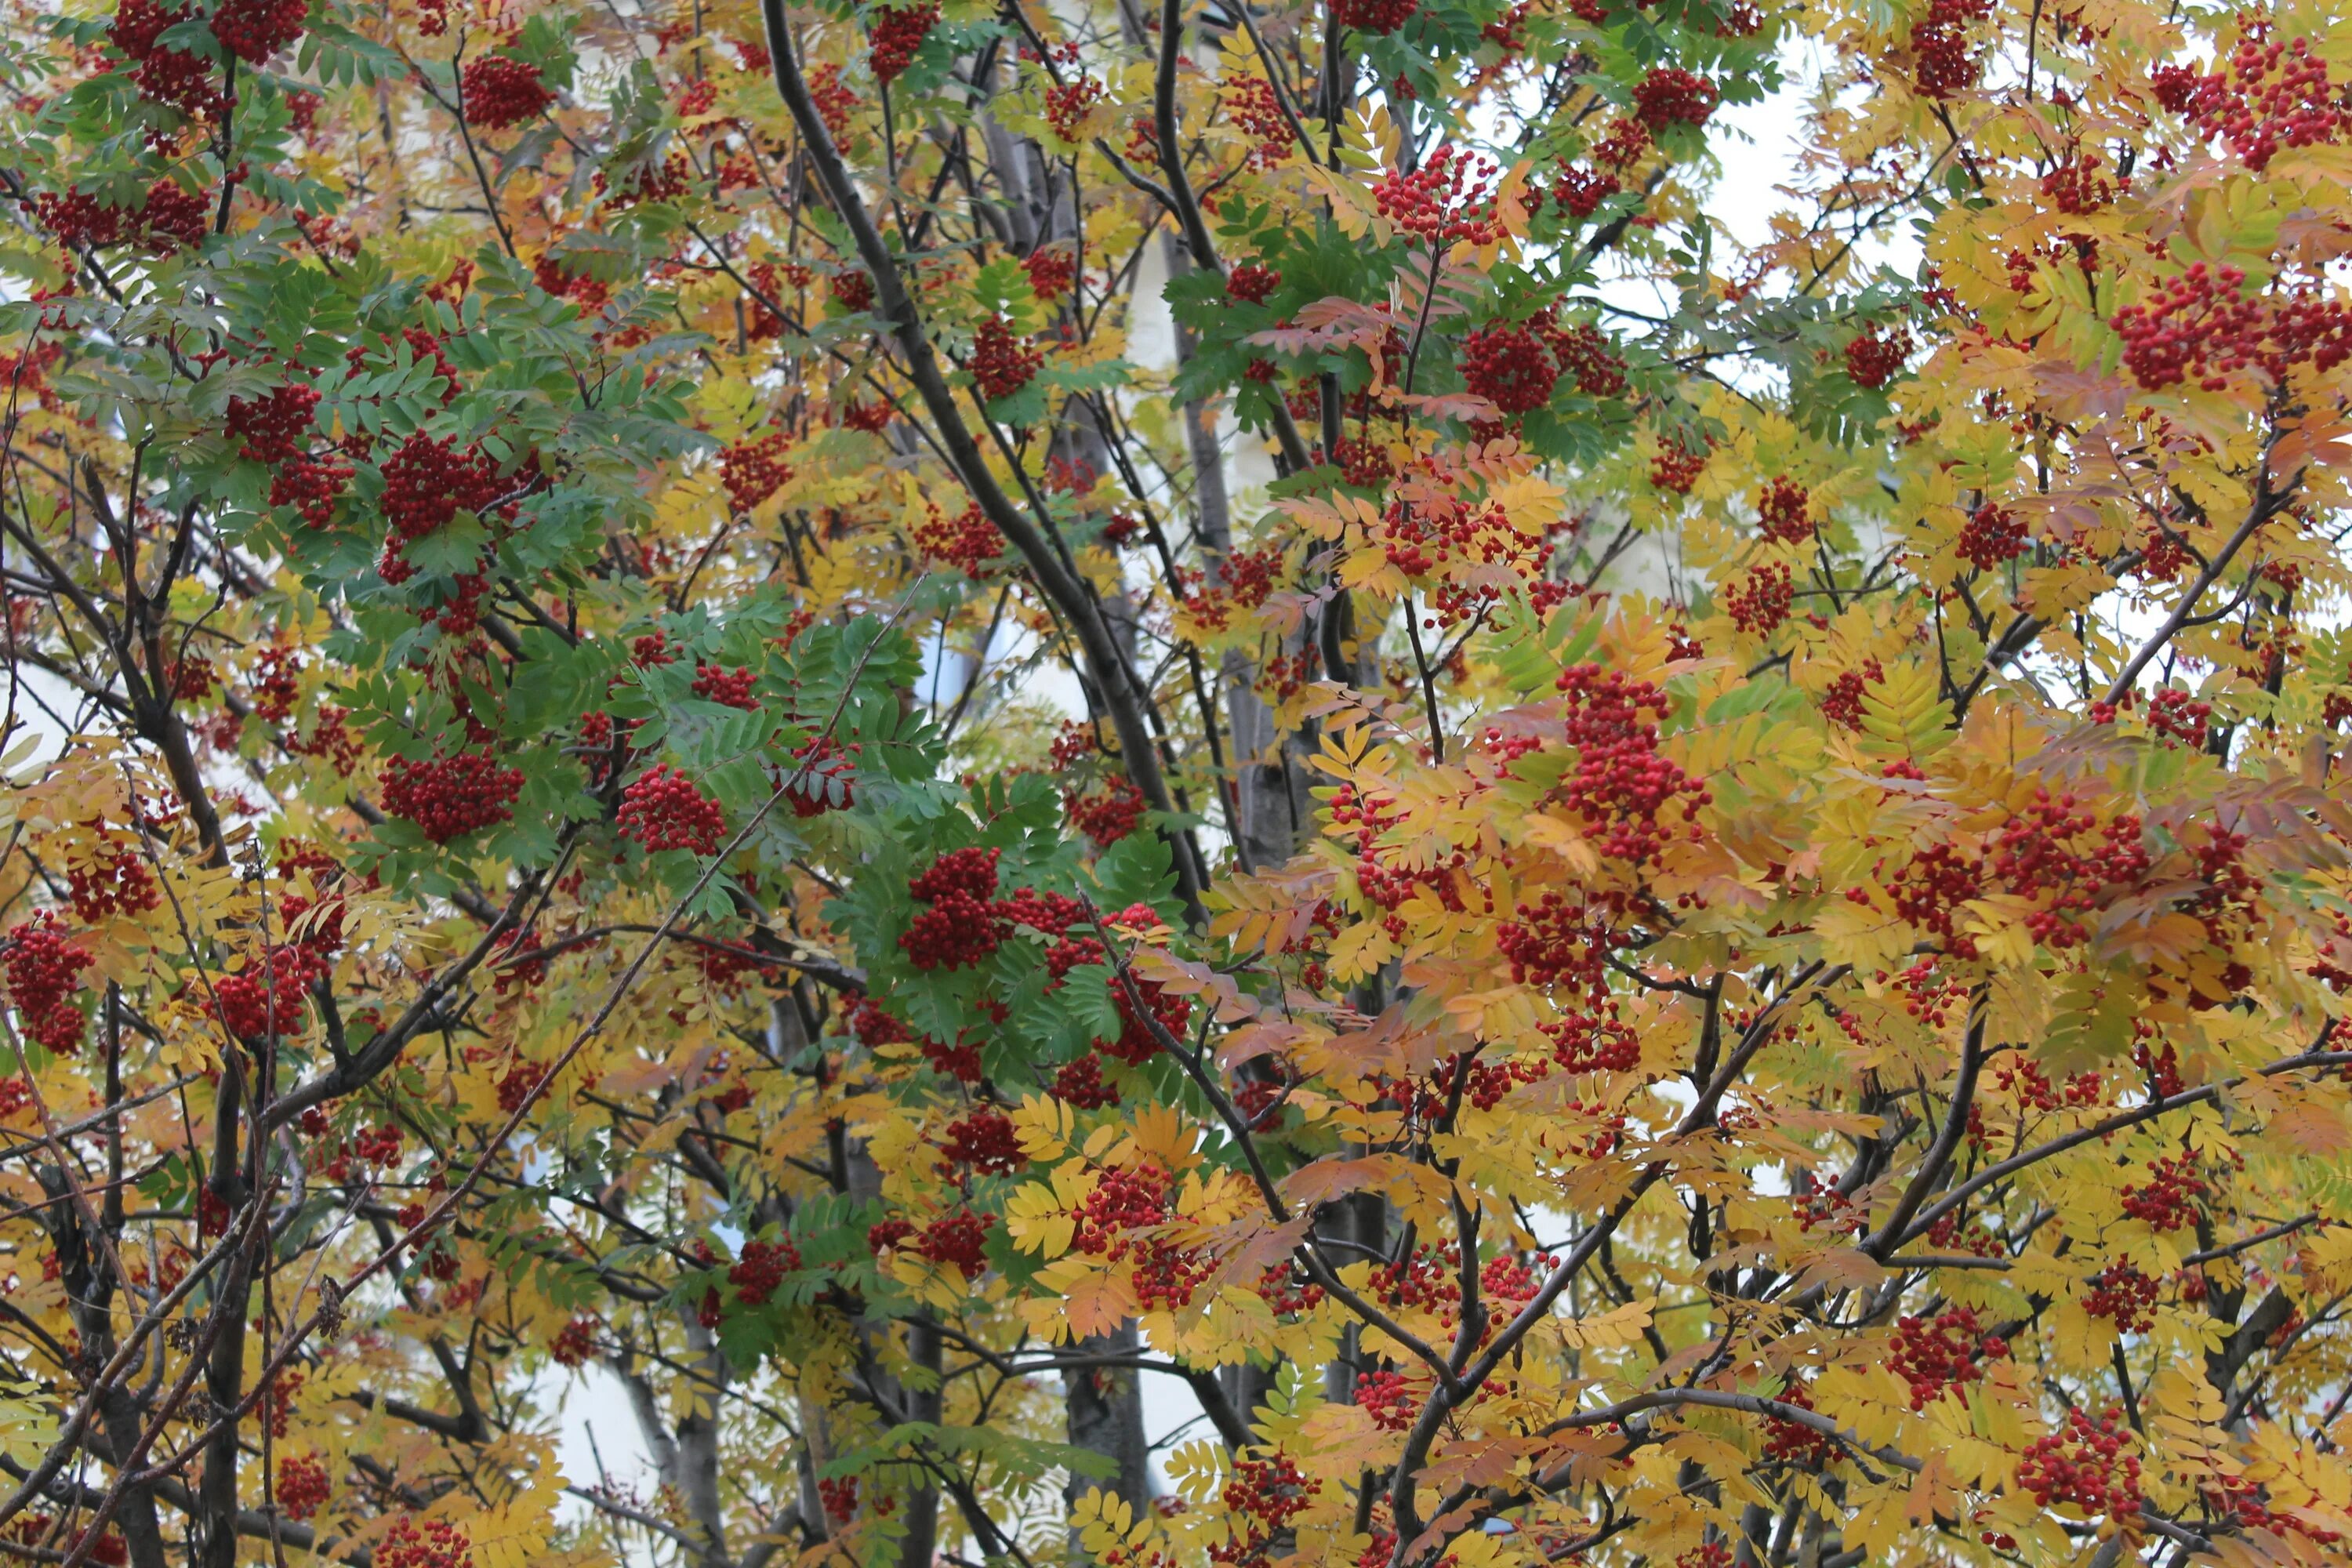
(859, 724)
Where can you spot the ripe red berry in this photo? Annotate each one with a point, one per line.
(499, 90)
(899, 31)
(448, 797)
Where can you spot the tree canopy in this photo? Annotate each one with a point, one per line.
(890, 731)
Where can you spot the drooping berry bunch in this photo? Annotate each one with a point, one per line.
(962, 924)
(754, 469)
(270, 997)
(1378, 17)
(168, 219)
(1676, 467)
(958, 1240)
(575, 1343)
(1251, 104)
(1784, 510)
(2167, 1200)
(2175, 716)
(1107, 814)
(760, 1269)
(1841, 703)
(43, 976)
(1587, 354)
(1583, 1042)
(2203, 326)
(2124, 1295)
(274, 426)
(302, 1485)
(1580, 192)
(1669, 95)
(1991, 535)
(1945, 64)
(1937, 1354)
(412, 1542)
(853, 289)
(983, 1142)
(1448, 201)
(499, 90)
(166, 75)
(898, 33)
(1875, 356)
(664, 810)
(425, 484)
(1621, 782)
(450, 796)
(1761, 600)
(1509, 366)
(968, 541)
(112, 880)
(1389, 1399)
(1068, 103)
(1001, 361)
(1253, 283)
(835, 102)
(2273, 95)
(1053, 271)
(2085, 1462)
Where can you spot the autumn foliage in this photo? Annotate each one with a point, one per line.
(1165, 785)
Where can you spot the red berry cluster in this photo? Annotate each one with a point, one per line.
(1841, 703)
(424, 1543)
(1106, 815)
(983, 1142)
(755, 469)
(2121, 1292)
(2084, 1463)
(1944, 64)
(1621, 783)
(1053, 271)
(1001, 363)
(2203, 326)
(1876, 357)
(1669, 95)
(448, 797)
(1379, 17)
(1510, 366)
(967, 540)
(499, 90)
(1933, 1354)
(898, 33)
(1079, 1084)
(302, 1487)
(170, 77)
(1251, 104)
(1386, 1395)
(1793, 1442)
(1583, 1043)
(664, 810)
(168, 219)
(761, 1269)
(852, 290)
(1580, 192)
(575, 1343)
(1267, 1494)
(1761, 600)
(2077, 187)
(1252, 282)
(834, 99)
(1068, 103)
(1122, 1201)
(964, 924)
(958, 1240)
(1676, 467)
(2036, 854)
(274, 426)
(113, 881)
(2166, 1201)
(44, 975)
(269, 998)
(2174, 715)
(1448, 201)
(253, 30)
(1991, 535)
(2255, 111)
(426, 484)
(1586, 353)
(838, 1498)
(1785, 510)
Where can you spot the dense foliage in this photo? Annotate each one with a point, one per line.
(853, 725)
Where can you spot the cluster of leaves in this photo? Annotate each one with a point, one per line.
(852, 724)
